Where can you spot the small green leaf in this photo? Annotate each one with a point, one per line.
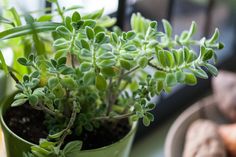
(100, 37)
(33, 100)
(212, 69)
(56, 135)
(208, 55)
(69, 83)
(22, 61)
(167, 28)
(130, 35)
(214, 37)
(76, 17)
(72, 148)
(146, 121)
(138, 107)
(89, 77)
(130, 48)
(150, 106)
(85, 44)
(18, 102)
(190, 79)
(200, 73)
(159, 86)
(64, 32)
(85, 66)
(52, 82)
(89, 32)
(160, 75)
(125, 64)
(107, 63)
(171, 80)
(143, 62)
(100, 83)
(58, 91)
(109, 71)
(180, 76)
(94, 15)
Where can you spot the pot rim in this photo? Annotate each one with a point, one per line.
(6, 101)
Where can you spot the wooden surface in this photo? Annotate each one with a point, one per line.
(2, 150)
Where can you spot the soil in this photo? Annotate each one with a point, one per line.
(28, 124)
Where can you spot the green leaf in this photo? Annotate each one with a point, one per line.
(100, 37)
(146, 121)
(143, 62)
(85, 66)
(208, 55)
(58, 91)
(64, 32)
(27, 29)
(72, 148)
(200, 73)
(171, 80)
(56, 135)
(130, 48)
(192, 30)
(68, 23)
(214, 37)
(159, 86)
(18, 102)
(109, 71)
(212, 69)
(76, 17)
(69, 83)
(94, 15)
(33, 100)
(160, 75)
(89, 32)
(130, 35)
(150, 116)
(190, 79)
(107, 63)
(125, 64)
(45, 18)
(101, 83)
(114, 37)
(138, 107)
(85, 44)
(150, 106)
(23, 61)
(4, 65)
(180, 76)
(167, 28)
(89, 78)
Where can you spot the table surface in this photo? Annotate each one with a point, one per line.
(150, 146)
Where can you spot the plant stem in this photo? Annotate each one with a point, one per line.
(69, 125)
(13, 76)
(109, 97)
(115, 117)
(47, 110)
(154, 66)
(60, 11)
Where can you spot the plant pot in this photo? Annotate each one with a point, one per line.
(3, 84)
(15, 145)
(204, 109)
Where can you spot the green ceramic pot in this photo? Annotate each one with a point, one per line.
(15, 145)
(2, 84)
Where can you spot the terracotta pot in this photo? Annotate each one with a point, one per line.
(204, 109)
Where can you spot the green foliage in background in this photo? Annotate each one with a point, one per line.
(98, 75)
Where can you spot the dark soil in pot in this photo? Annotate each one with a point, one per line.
(28, 123)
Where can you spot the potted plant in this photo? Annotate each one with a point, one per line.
(85, 98)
